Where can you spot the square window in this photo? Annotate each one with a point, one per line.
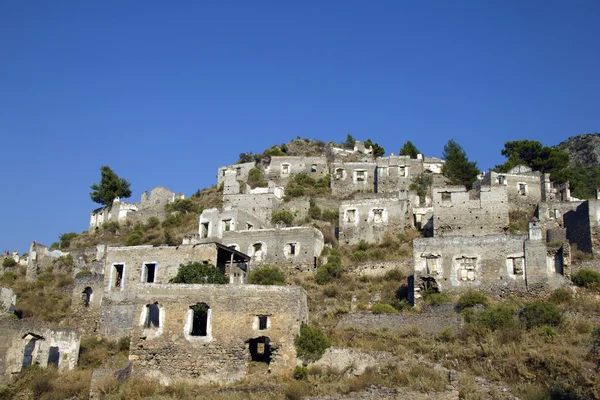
(262, 322)
(149, 272)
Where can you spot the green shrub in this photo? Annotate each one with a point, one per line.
(375, 254)
(470, 299)
(383, 308)
(314, 212)
(9, 262)
(401, 304)
(195, 272)
(300, 372)
(266, 276)
(561, 296)
(8, 276)
(332, 216)
(173, 220)
(184, 206)
(394, 275)
(359, 256)
(152, 222)
(255, 178)
(436, 298)
(311, 343)
(134, 239)
(83, 273)
(363, 245)
(111, 226)
(303, 185)
(586, 278)
(330, 270)
(541, 313)
(282, 216)
(495, 318)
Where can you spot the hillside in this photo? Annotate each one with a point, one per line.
(584, 149)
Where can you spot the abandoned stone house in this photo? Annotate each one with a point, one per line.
(27, 342)
(281, 169)
(152, 205)
(495, 264)
(214, 223)
(210, 333)
(350, 177)
(369, 219)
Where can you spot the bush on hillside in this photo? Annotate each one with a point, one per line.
(586, 278)
(195, 272)
(541, 313)
(266, 276)
(311, 343)
(282, 216)
(470, 299)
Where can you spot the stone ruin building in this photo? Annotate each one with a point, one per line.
(152, 205)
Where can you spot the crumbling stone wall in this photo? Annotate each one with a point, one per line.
(281, 169)
(491, 264)
(396, 172)
(350, 177)
(214, 223)
(40, 257)
(461, 213)
(380, 268)
(7, 300)
(260, 205)
(428, 324)
(86, 301)
(166, 259)
(32, 342)
(152, 205)
(371, 219)
(240, 172)
(523, 186)
(295, 247)
(170, 352)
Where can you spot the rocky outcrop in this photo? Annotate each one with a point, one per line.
(584, 149)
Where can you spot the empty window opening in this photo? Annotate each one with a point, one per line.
(402, 171)
(204, 229)
(262, 322)
(53, 356)
(446, 196)
(149, 272)
(87, 296)
(226, 225)
(257, 247)
(152, 315)
(361, 176)
(313, 168)
(501, 179)
(238, 171)
(28, 352)
(378, 215)
(119, 275)
(516, 264)
(285, 168)
(467, 268)
(432, 265)
(522, 189)
(260, 349)
(292, 248)
(350, 215)
(200, 313)
(339, 173)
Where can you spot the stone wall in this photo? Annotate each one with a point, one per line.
(281, 169)
(427, 324)
(522, 188)
(240, 171)
(40, 257)
(396, 172)
(380, 268)
(491, 264)
(371, 219)
(461, 213)
(7, 300)
(261, 205)
(214, 223)
(170, 351)
(115, 320)
(86, 301)
(32, 342)
(350, 177)
(295, 247)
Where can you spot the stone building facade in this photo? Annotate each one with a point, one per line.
(370, 219)
(396, 172)
(150, 205)
(458, 212)
(350, 177)
(210, 333)
(214, 223)
(282, 169)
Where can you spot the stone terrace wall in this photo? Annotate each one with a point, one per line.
(169, 352)
(380, 268)
(427, 324)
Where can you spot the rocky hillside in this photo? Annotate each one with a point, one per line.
(583, 148)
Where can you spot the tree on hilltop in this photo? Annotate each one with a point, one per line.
(457, 168)
(409, 149)
(110, 186)
(536, 156)
(378, 151)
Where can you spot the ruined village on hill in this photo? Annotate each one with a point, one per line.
(205, 333)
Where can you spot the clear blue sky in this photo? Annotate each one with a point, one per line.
(164, 93)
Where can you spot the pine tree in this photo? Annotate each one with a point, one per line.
(409, 149)
(458, 169)
(110, 186)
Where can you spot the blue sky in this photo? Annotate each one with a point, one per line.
(165, 93)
